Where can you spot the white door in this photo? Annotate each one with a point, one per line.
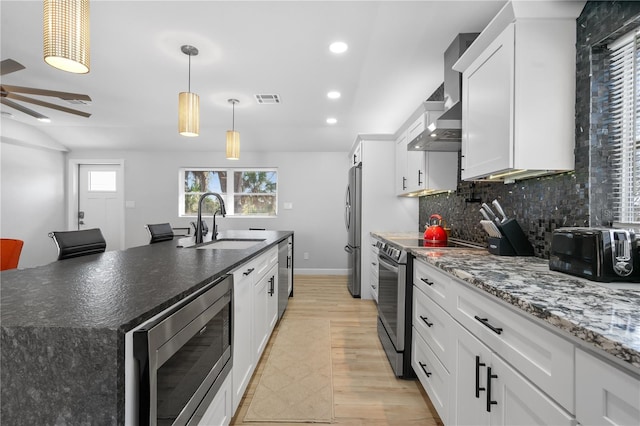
(100, 201)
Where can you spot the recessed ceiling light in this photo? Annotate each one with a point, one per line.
(334, 94)
(44, 119)
(338, 47)
(331, 120)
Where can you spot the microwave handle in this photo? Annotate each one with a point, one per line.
(141, 354)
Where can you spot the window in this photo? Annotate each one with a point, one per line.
(102, 181)
(246, 192)
(624, 93)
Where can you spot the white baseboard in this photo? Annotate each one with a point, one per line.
(311, 271)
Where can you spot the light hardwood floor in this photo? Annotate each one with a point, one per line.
(365, 390)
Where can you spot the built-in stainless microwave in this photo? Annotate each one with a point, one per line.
(184, 356)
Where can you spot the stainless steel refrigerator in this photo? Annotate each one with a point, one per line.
(353, 222)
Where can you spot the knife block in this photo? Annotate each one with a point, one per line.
(514, 235)
(500, 246)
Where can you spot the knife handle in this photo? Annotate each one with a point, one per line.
(498, 207)
(490, 212)
(485, 215)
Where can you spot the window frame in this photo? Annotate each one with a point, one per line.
(228, 194)
(624, 126)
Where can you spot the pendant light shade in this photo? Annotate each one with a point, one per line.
(233, 137)
(66, 35)
(189, 103)
(189, 114)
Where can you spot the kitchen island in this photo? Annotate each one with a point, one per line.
(63, 324)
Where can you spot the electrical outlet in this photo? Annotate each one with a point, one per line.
(306, 256)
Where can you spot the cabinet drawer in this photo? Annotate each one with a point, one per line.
(264, 262)
(432, 375)
(434, 325)
(374, 289)
(540, 355)
(605, 394)
(433, 283)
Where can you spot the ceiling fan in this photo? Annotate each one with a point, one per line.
(7, 93)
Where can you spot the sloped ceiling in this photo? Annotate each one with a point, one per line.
(394, 62)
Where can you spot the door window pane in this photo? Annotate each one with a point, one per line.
(102, 181)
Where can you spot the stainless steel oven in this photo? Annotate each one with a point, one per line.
(395, 291)
(184, 357)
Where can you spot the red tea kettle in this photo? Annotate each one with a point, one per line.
(435, 234)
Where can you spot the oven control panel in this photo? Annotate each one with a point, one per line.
(390, 251)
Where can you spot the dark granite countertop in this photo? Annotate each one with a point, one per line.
(126, 287)
(63, 324)
(600, 316)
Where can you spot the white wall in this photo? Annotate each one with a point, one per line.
(32, 201)
(314, 182)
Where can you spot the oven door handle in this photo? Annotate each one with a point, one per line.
(387, 265)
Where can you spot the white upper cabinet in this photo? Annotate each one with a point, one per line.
(518, 93)
(401, 164)
(423, 172)
(355, 157)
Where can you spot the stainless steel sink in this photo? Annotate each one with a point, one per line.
(230, 244)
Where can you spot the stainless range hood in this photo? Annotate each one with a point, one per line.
(445, 133)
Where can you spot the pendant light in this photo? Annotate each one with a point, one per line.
(65, 30)
(233, 137)
(189, 103)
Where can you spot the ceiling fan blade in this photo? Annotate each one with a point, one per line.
(20, 108)
(9, 65)
(47, 104)
(32, 91)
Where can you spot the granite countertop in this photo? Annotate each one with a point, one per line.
(118, 289)
(601, 316)
(63, 324)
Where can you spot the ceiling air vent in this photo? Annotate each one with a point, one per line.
(267, 99)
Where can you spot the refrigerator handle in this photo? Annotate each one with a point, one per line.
(347, 208)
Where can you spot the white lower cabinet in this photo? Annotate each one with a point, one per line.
(490, 392)
(605, 395)
(545, 358)
(250, 328)
(220, 411)
(373, 276)
(434, 283)
(435, 325)
(433, 376)
(243, 359)
(482, 363)
(266, 310)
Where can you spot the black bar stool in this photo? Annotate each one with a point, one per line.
(160, 232)
(78, 243)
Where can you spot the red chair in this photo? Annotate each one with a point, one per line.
(10, 253)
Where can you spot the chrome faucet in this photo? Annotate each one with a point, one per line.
(223, 211)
